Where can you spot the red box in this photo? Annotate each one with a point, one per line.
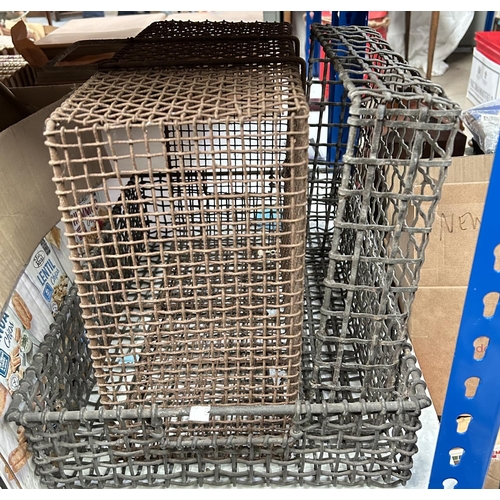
(488, 43)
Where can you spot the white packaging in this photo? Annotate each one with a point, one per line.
(16, 463)
(11, 369)
(27, 303)
(85, 219)
(484, 79)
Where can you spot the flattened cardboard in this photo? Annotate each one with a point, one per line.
(98, 28)
(456, 225)
(25, 46)
(437, 308)
(28, 205)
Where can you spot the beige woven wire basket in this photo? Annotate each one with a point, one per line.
(183, 193)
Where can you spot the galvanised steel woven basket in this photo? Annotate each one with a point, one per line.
(381, 142)
(191, 282)
(77, 443)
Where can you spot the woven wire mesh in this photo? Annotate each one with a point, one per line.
(10, 64)
(15, 71)
(373, 185)
(194, 51)
(210, 42)
(376, 171)
(172, 29)
(77, 443)
(191, 282)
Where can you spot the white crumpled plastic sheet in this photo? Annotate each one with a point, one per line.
(451, 30)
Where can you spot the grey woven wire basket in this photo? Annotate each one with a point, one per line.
(77, 443)
(377, 165)
(15, 71)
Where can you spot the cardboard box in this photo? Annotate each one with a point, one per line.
(39, 96)
(28, 209)
(492, 480)
(437, 308)
(484, 81)
(28, 206)
(98, 28)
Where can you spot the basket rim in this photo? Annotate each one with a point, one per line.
(300, 409)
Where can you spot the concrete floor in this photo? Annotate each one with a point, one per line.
(456, 78)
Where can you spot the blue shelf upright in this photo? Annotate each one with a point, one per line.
(490, 19)
(471, 413)
(312, 17)
(359, 18)
(337, 113)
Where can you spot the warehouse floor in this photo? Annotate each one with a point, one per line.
(456, 79)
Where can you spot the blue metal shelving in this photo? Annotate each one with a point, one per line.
(473, 447)
(336, 113)
(490, 19)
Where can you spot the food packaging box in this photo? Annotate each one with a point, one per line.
(484, 81)
(29, 261)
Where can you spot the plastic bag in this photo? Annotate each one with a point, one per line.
(451, 29)
(484, 123)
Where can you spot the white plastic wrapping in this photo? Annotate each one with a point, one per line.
(484, 123)
(451, 30)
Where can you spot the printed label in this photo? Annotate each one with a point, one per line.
(484, 79)
(7, 326)
(45, 271)
(11, 363)
(199, 413)
(4, 363)
(30, 307)
(59, 245)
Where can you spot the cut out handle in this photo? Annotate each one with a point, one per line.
(496, 266)
(449, 484)
(456, 455)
